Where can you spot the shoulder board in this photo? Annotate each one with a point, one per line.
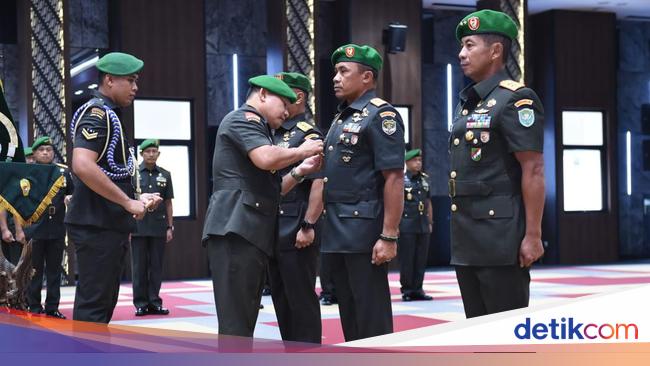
(378, 102)
(511, 85)
(304, 126)
(97, 112)
(252, 116)
(62, 165)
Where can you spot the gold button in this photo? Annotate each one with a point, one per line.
(456, 141)
(257, 204)
(452, 174)
(356, 213)
(454, 207)
(469, 135)
(330, 148)
(325, 180)
(491, 212)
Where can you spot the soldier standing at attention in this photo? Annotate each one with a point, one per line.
(293, 269)
(496, 180)
(48, 238)
(363, 185)
(101, 213)
(415, 228)
(154, 231)
(241, 224)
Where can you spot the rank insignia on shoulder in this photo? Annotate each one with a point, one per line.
(312, 136)
(526, 117)
(88, 134)
(252, 117)
(389, 126)
(521, 102)
(304, 126)
(378, 102)
(387, 114)
(511, 85)
(97, 112)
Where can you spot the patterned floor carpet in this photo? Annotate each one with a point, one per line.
(192, 305)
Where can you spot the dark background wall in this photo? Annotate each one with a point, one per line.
(633, 91)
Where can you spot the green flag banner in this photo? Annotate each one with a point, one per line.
(11, 147)
(26, 190)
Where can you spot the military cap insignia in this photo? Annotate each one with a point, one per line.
(304, 126)
(476, 153)
(386, 114)
(521, 102)
(252, 117)
(511, 85)
(389, 126)
(526, 117)
(97, 112)
(474, 23)
(88, 134)
(378, 102)
(349, 52)
(312, 136)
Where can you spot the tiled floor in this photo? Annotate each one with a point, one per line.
(192, 304)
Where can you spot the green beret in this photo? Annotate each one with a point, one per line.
(411, 154)
(28, 151)
(487, 21)
(118, 63)
(365, 55)
(295, 80)
(274, 85)
(45, 140)
(149, 143)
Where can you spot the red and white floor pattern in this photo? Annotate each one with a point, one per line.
(192, 304)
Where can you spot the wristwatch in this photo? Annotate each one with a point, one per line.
(170, 227)
(305, 225)
(299, 178)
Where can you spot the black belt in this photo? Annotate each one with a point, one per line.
(478, 188)
(350, 196)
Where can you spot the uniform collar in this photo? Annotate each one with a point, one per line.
(360, 102)
(107, 101)
(143, 167)
(413, 175)
(289, 124)
(484, 87)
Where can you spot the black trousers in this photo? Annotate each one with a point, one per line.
(46, 257)
(100, 258)
(147, 254)
(326, 283)
(238, 270)
(12, 251)
(493, 289)
(363, 294)
(293, 281)
(412, 250)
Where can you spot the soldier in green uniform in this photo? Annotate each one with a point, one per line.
(29, 155)
(293, 269)
(154, 231)
(363, 183)
(48, 238)
(415, 228)
(496, 182)
(101, 213)
(241, 221)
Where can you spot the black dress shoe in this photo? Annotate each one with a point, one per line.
(158, 310)
(421, 296)
(55, 314)
(407, 297)
(141, 311)
(36, 310)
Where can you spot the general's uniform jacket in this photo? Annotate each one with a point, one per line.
(495, 118)
(417, 198)
(245, 199)
(157, 180)
(294, 204)
(364, 139)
